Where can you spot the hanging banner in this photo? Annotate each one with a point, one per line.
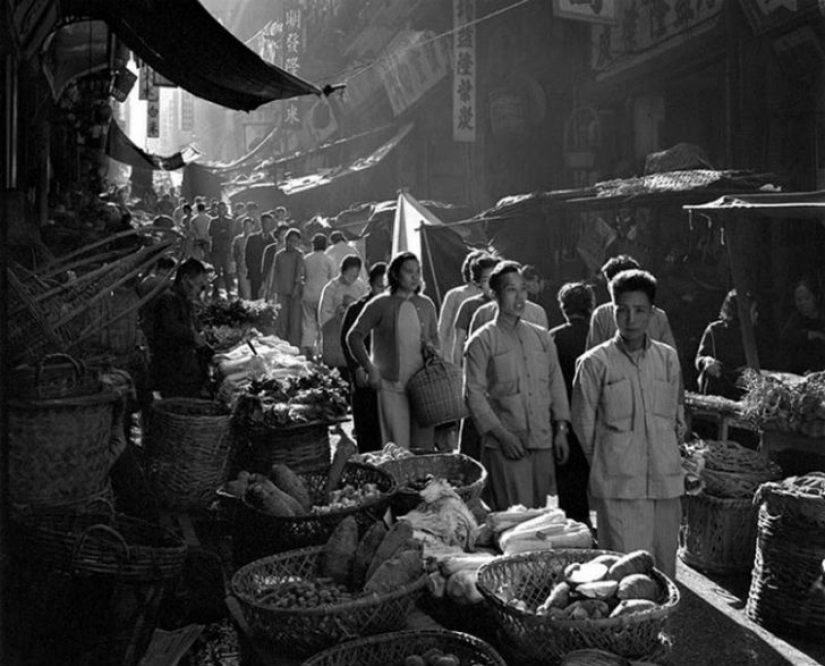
(417, 61)
(293, 50)
(464, 72)
(152, 119)
(147, 90)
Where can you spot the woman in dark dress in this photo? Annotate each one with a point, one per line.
(576, 300)
(803, 337)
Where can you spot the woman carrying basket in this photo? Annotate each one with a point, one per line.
(404, 329)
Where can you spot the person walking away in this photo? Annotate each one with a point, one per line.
(239, 257)
(540, 293)
(363, 397)
(179, 351)
(288, 283)
(576, 301)
(404, 329)
(515, 393)
(453, 300)
(220, 233)
(201, 240)
(185, 225)
(338, 294)
(269, 259)
(255, 245)
(340, 248)
(319, 270)
(625, 404)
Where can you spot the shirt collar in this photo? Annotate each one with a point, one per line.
(620, 343)
(503, 322)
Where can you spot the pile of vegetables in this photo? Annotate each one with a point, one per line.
(320, 396)
(391, 451)
(381, 561)
(435, 657)
(239, 314)
(607, 586)
(519, 530)
(787, 404)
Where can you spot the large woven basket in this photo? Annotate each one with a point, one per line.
(94, 583)
(305, 631)
(188, 451)
(391, 649)
(299, 447)
(436, 394)
(718, 535)
(256, 534)
(466, 475)
(59, 449)
(800, 500)
(531, 576)
(784, 595)
(53, 377)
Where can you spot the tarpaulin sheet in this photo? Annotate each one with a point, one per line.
(771, 204)
(183, 42)
(121, 148)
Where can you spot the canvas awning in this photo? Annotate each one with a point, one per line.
(121, 148)
(771, 204)
(204, 58)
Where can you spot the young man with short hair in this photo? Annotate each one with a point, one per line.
(624, 412)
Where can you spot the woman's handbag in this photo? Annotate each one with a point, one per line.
(436, 394)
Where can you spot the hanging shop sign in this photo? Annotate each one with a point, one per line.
(153, 119)
(591, 11)
(773, 15)
(416, 61)
(647, 29)
(187, 111)
(293, 50)
(464, 70)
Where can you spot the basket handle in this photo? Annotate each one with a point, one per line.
(105, 501)
(59, 356)
(100, 527)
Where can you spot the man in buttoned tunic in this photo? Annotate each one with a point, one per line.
(515, 391)
(624, 412)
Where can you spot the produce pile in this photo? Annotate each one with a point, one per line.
(435, 657)
(381, 561)
(275, 402)
(518, 530)
(726, 469)
(391, 451)
(228, 323)
(786, 403)
(607, 586)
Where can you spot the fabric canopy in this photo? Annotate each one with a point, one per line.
(772, 204)
(121, 148)
(183, 42)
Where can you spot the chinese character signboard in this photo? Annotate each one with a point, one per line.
(597, 11)
(646, 28)
(464, 70)
(153, 119)
(187, 111)
(293, 51)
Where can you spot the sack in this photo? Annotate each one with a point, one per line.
(331, 352)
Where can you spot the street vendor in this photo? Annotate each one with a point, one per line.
(624, 411)
(404, 328)
(802, 338)
(515, 391)
(180, 355)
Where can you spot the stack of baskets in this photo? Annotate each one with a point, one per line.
(306, 631)
(541, 639)
(90, 585)
(256, 534)
(785, 593)
(394, 647)
(719, 531)
(188, 451)
(60, 426)
(466, 475)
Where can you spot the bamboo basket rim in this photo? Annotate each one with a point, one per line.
(661, 611)
(69, 401)
(318, 611)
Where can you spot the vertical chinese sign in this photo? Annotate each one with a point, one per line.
(464, 73)
(293, 50)
(149, 91)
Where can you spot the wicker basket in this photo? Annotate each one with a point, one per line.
(95, 583)
(306, 631)
(788, 564)
(436, 394)
(59, 449)
(531, 576)
(466, 475)
(734, 471)
(190, 441)
(256, 534)
(300, 447)
(391, 649)
(799, 499)
(55, 376)
(718, 535)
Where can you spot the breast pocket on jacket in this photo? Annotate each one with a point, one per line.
(617, 406)
(505, 375)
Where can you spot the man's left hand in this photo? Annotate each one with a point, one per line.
(562, 448)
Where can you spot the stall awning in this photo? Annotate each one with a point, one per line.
(182, 41)
(771, 204)
(121, 148)
(326, 176)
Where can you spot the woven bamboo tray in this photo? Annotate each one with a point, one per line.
(788, 564)
(531, 576)
(391, 649)
(59, 449)
(256, 534)
(466, 475)
(305, 631)
(718, 535)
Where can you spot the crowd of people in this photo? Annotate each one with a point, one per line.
(591, 410)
